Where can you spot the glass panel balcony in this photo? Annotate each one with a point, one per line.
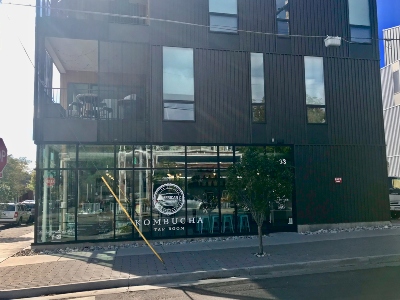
(88, 101)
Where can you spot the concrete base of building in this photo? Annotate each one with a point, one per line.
(316, 227)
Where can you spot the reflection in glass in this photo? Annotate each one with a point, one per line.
(359, 20)
(178, 83)
(97, 156)
(360, 34)
(57, 205)
(282, 16)
(179, 111)
(316, 114)
(314, 74)
(203, 157)
(359, 12)
(142, 202)
(257, 78)
(258, 113)
(169, 156)
(164, 224)
(57, 156)
(223, 23)
(142, 157)
(223, 15)
(123, 226)
(223, 6)
(125, 157)
(202, 200)
(96, 205)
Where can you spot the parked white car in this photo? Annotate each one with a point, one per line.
(11, 213)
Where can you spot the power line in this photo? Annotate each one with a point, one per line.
(194, 24)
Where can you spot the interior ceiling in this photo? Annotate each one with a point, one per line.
(73, 54)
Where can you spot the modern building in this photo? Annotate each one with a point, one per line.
(391, 98)
(156, 99)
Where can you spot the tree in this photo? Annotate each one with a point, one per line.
(258, 180)
(16, 177)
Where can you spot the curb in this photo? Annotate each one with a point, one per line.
(165, 279)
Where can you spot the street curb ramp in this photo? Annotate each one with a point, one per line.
(277, 270)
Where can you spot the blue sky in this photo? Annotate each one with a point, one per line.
(388, 16)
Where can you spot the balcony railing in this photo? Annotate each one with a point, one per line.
(93, 103)
(133, 12)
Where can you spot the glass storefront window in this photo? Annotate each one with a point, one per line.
(56, 206)
(202, 200)
(142, 202)
(125, 156)
(96, 205)
(124, 191)
(142, 157)
(169, 156)
(96, 157)
(57, 156)
(75, 204)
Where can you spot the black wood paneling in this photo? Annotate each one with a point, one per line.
(363, 194)
(353, 101)
(256, 23)
(182, 32)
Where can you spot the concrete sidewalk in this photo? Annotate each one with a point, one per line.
(288, 253)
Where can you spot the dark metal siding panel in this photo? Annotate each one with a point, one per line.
(285, 98)
(362, 196)
(318, 18)
(175, 34)
(222, 96)
(353, 101)
(256, 18)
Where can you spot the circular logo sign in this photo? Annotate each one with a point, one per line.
(168, 199)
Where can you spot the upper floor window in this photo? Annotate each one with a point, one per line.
(315, 89)
(282, 16)
(359, 19)
(257, 87)
(396, 82)
(178, 84)
(223, 15)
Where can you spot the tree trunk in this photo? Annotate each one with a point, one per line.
(260, 245)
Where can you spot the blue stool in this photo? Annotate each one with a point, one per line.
(227, 223)
(244, 222)
(205, 225)
(214, 223)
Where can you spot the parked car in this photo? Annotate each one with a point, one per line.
(30, 205)
(11, 213)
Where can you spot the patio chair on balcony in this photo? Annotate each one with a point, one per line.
(75, 109)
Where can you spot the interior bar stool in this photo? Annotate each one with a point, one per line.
(205, 225)
(214, 223)
(244, 222)
(227, 222)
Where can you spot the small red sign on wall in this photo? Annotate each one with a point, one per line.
(338, 179)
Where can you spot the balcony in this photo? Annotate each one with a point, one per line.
(87, 101)
(132, 12)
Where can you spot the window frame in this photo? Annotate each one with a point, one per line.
(221, 14)
(358, 40)
(396, 81)
(305, 86)
(281, 20)
(177, 101)
(257, 104)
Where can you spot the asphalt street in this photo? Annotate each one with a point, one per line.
(365, 284)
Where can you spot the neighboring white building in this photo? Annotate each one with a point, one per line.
(390, 79)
